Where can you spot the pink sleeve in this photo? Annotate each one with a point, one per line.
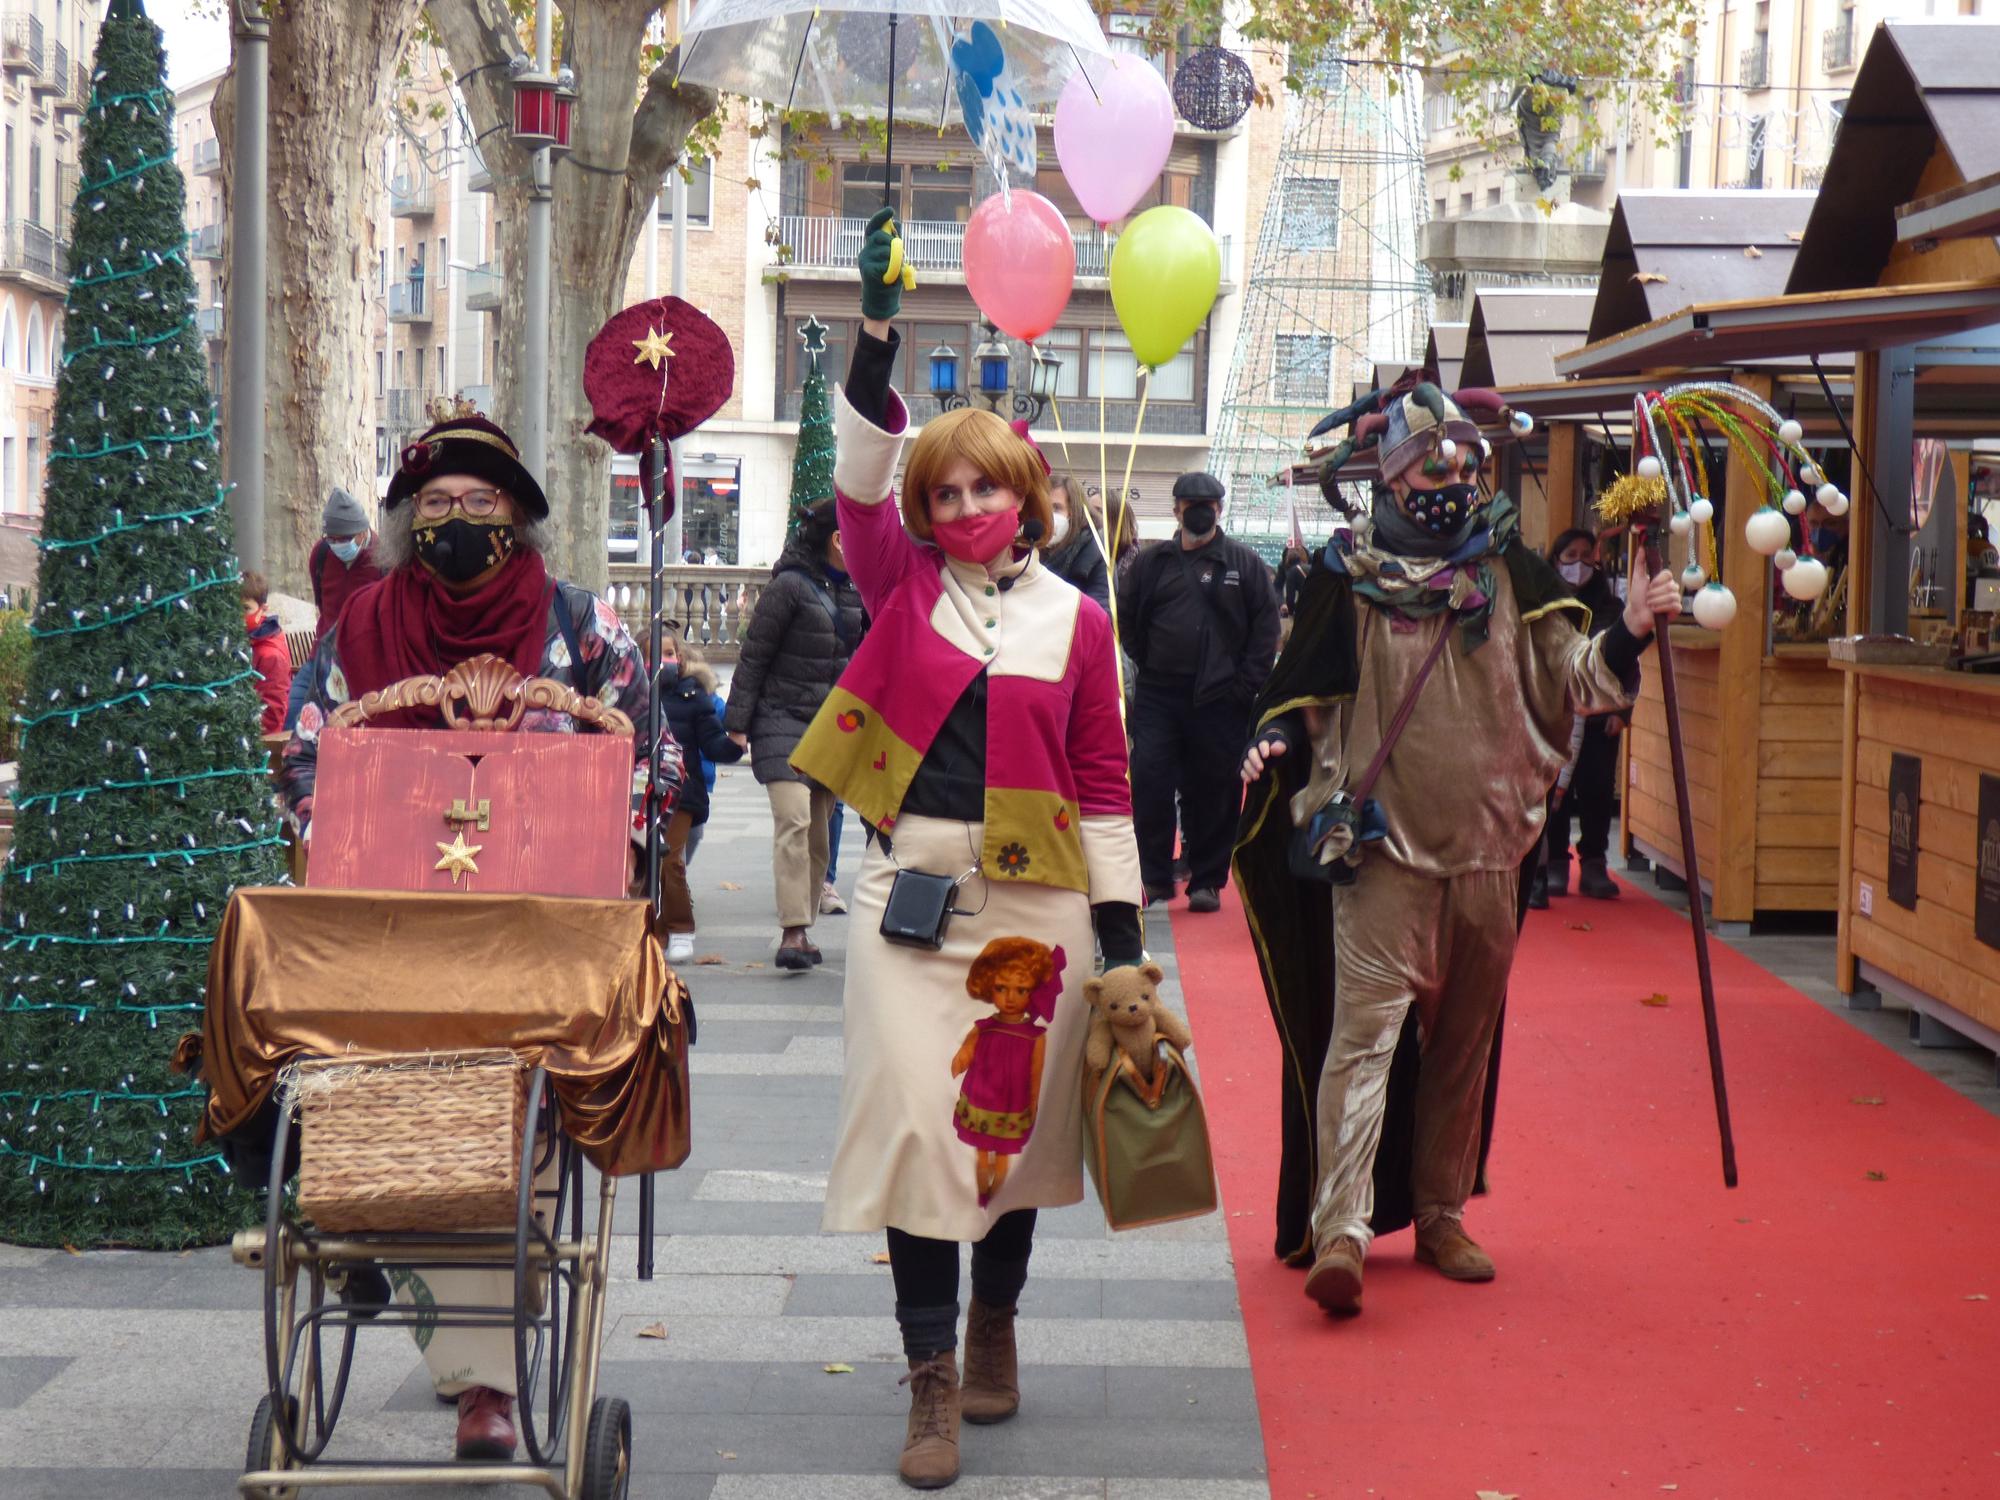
(1096, 739)
(880, 553)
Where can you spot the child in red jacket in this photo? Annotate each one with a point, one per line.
(268, 652)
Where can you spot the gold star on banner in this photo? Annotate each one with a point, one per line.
(458, 857)
(654, 348)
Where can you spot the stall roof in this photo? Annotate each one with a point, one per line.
(1516, 332)
(1733, 334)
(1969, 211)
(1669, 249)
(1444, 352)
(1925, 88)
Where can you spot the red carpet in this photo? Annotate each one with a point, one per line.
(1821, 1332)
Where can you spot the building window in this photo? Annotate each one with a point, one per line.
(443, 379)
(1437, 208)
(381, 452)
(34, 472)
(1302, 372)
(1065, 346)
(417, 362)
(1753, 153)
(942, 196)
(700, 195)
(1465, 203)
(1493, 197)
(861, 190)
(399, 370)
(1311, 219)
(10, 481)
(1173, 381)
(382, 272)
(34, 182)
(381, 373)
(833, 359)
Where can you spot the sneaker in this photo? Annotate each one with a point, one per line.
(1446, 1245)
(1335, 1279)
(680, 947)
(485, 1426)
(1205, 899)
(830, 904)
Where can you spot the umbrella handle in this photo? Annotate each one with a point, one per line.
(889, 149)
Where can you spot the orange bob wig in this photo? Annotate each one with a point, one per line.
(990, 446)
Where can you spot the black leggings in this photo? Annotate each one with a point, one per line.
(926, 1276)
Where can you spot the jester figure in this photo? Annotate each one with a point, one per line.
(1377, 883)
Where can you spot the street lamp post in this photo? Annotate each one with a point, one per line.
(993, 370)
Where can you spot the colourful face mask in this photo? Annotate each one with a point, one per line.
(978, 539)
(1442, 511)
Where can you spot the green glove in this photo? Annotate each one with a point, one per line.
(884, 275)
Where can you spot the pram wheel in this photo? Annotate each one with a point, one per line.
(267, 1449)
(607, 1453)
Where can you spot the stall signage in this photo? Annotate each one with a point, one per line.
(1986, 895)
(1906, 773)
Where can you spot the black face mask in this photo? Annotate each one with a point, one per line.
(670, 674)
(1199, 518)
(458, 550)
(1443, 511)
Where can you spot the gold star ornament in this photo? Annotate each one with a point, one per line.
(655, 348)
(459, 857)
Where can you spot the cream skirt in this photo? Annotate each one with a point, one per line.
(899, 1160)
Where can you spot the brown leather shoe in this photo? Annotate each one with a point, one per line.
(930, 1448)
(1446, 1245)
(992, 1389)
(485, 1426)
(1335, 1279)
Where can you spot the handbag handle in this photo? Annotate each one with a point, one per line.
(1360, 790)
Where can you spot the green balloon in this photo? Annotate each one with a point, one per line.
(1165, 271)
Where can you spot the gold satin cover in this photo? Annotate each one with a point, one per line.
(578, 987)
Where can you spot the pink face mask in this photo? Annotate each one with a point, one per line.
(978, 539)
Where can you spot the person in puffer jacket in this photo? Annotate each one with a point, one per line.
(688, 706)
(268, 652)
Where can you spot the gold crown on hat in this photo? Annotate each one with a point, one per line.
(450, 409)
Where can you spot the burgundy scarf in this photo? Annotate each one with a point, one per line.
(408, 624)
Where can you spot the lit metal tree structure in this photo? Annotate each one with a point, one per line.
(1336, 285)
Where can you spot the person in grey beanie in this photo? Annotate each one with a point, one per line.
(341, 565)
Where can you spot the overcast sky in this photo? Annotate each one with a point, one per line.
(197, 38)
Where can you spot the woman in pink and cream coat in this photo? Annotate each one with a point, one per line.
(978, 731)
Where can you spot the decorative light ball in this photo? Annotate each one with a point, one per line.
(1714, 607)
(1701, 510)
(1795, 503)
(1521, 423)
(1810, 474)
(1790, 431)
(1447, 449)
(1805, 579)
(1767, 530)
(1783, 558)
(1825, 493)
(1680, 523)
(1649, 467)
(1693, 576)
(1836, 505)
(1485, 450)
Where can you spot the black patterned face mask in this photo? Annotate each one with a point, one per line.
(458, 549)
(1443, 511)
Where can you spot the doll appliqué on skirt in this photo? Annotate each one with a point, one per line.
(1001, 1056)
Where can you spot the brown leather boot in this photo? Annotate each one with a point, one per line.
(992, 1389)
(485, 1426)
(1446, 1245)
(1335, 1280)
(930, 1449)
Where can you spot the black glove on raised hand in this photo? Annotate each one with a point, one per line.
(884, 275)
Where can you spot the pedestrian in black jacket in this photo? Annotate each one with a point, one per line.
(690, 714)
(1592, 784)
(1072, 554)
(1199, 617)
(801, 635)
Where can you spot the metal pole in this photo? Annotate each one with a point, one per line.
(248, 276)
(652, 494)
(535, 281)
(678, 285)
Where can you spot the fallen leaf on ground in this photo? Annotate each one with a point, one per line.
(1669, 1486)
(838, 1369)
(1790, 234)
(1653, 999)
(711, 958)
(1878, 1176)
(69, 1249)
(1977, 1297)
(730, 885)
(1648, 278)
(880, 1257)
(724, 1453)
(1577, 926)
(1866, 1099)
(653, 1331)
(753, 966)
(1493, 1495)
(1751, 252)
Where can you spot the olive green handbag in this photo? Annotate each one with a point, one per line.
(1146, 1144)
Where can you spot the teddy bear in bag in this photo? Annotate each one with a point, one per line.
(1127, 1012)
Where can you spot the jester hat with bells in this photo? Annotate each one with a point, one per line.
(1415, 422)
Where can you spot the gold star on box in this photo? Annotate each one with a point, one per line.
(459, 857)
(654, 348)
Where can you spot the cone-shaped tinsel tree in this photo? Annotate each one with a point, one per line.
(812, 459)
(143, 796)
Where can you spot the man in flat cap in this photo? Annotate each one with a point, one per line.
(1199, 616)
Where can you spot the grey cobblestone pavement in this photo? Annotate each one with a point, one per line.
(125, 1374)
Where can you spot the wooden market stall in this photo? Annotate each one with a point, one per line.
(1512, 340)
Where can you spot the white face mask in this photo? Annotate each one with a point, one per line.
(1059, 530)
(1576, 574)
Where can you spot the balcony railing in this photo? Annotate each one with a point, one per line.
(56, 79)
(482, 288)
(1754, 70)
(21, 49)
(713, 605)
(206, 242)
(1079, 414)
(209, 321)
(413, 197)
(816, 242)
(406, 408)
(207, 157)
(1836, 48)
(28, 249)
(409, 302)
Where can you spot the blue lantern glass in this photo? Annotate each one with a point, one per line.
(944, 370)
(993, 372)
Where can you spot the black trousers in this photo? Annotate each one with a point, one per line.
(1179, 750)
(926, 1277)
(1588, 800)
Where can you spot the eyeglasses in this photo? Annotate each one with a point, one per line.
(435, 505)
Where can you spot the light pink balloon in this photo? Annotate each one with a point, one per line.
(1113, 141)
(1020, 263)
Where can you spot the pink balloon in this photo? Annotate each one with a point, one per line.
(1113, 140)
(1020, 263)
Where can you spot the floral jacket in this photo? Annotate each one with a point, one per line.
(612, 670)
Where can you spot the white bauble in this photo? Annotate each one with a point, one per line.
(1790, 431)
(1693, 576)
(1521, 423)
(1783, 558)
(1837, 505)
(1795, 503)
(1649, 467)
(1825, 493)
(1714, 607)
(1805, 579)
(1447, 449)
(1767, 530)
(1810, 474)
(1701, 510)
(1485, 450)
(1680, 523)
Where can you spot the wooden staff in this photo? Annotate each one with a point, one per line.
(1647, 533)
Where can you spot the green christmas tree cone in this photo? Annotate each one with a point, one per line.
(143, 796)
(812, 459)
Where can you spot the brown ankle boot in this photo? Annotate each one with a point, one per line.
(1446, 1245)
(992, 1390)
(930, 1450)
(1335, 1279)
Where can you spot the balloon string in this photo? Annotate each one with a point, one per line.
(1055, 409)
(1138, 421)
(1103, 447)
